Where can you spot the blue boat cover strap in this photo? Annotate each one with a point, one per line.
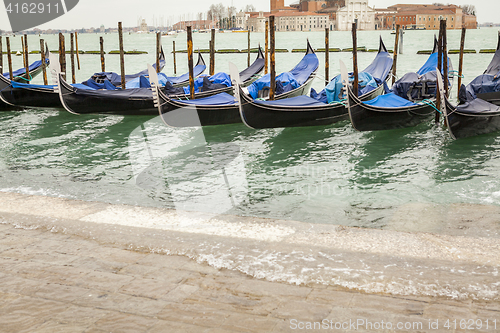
(479, 107)
(390, 100)
(292, 101)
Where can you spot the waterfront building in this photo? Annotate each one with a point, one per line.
(356, 11)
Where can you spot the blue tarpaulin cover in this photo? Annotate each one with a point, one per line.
(431, 64)
(373, 75)
(286, 78)
(305, 68)
(94, 85)
(389, 101)
(198, 69)
(479, 107)
(289, 80)
(334, 89)
(218, 78)
(116, 79)
(484, 83)
(494, 66)
(21, 71)
(27, 86)
(380, 67)
(293, 101)
(219, 99)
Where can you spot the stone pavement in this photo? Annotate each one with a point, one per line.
(55, 282)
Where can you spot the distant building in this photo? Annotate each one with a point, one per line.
(356, 11)
(412, 16)
(301, 21)
(196, 24)
(144, 26)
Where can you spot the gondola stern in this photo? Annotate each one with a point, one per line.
(200, 61)
(261, 53)
(309, 50)
(382, 47)
(63, 88)
(4, 84)
(435, 48)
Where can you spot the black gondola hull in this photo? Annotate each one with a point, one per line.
(85, 102)
(43, 98)
(259, 116)
(461, 125)
(176, 115)
(370, 118)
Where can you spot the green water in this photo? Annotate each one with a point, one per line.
(327, 174)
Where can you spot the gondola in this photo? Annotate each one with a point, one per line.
(43, 96)
(391, 111)
(116, 79)
(34, 69)
(487, 85)
(308, 111)
(135, 101)
(248, 77)
(222, 108)
(470, 118)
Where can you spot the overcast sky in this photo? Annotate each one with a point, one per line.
(93, 13)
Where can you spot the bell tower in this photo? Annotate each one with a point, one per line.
(277, 5)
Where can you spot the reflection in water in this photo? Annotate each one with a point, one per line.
(330, 174)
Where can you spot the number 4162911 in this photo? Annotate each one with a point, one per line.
(471, 324)
(32, 8)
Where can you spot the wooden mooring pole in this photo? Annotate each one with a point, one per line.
(190, 61)
(158, 51)
(266, 55)
(103, 63)
(212, 53)
(62, 55)
(77, 51)
(26, 61)
(44, 64)
(9, 58)
(355, 59)
(439, 67)
(272, 58)
(327, 55)
(72, 57)
(395, 55)
(445, 60)
(461, 58)
(1, 56)
(122, 54)
(175, 63)
(248, 49)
